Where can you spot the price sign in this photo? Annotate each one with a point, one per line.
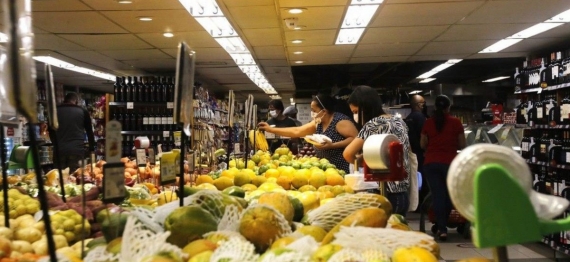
(169, 105)
(177, 138)
(236, 148)
(190, 159)
(167, 173)
(113, 142)
(151, 156)
(141, 157)
(166, 133)
(114, 190)
(130, 105)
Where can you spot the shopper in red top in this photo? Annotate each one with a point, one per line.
(442, 135)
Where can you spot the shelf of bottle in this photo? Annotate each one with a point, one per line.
(551, 127)
(550, 88)
(558, 247)
(139, 104)
(542, 163)
(142, 132)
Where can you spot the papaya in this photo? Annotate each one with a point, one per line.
(189, 223)
(280, 202)
(299, 209)
(234, 191)
(261, 225)
(407, 254)
(188, 191)
(96, 242)
(113, 226)
(366, 217)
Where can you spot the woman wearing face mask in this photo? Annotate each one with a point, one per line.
(366, 105)
(336, 126)
(279, 120)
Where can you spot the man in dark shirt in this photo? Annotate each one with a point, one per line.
(279, 120)
(415, 122)
(291, 112)
(74, 123)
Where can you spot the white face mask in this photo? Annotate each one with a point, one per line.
(273, 113)
(314, 116)
(355, 116)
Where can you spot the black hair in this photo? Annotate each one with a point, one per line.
(442, 103)
(277, 104)
(71, 97)
(325, 102)
(368, 102)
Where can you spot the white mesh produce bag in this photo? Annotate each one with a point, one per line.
(146, 217)
(349, 254)
(235, 250)
(306, 245)
(385, 240)
(100, 254)
(230, 220)
(139, 242)
(286, 256)
(330, 214)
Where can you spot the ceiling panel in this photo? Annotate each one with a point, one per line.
(279, 78)
(456, 47)
(305, 3)
(498, 55)
(272, 62)
(114, 65)
(311, 38)
(481, 32)
(231, 70)
(207, 55)
(423, 14)
(161, 21)
(378, 59)
(310, 52)
(326, 61)
(195, 39)
(326, 17)
(232, 3)
(75, 22)
(214, 63)
(273, 70)
(387, 49)
(562, 31)
(516, 11)
(401, 34)
(87, 56)
(136, 5)
(37, 30)
(265, 16)
(62, 5)
(135, 54)
(108, 42)
(269, 52)
(169, 63)
(534, 44)
(53, 42)
(426, 1)
(442, 57)
(263, 37)
(233, 80)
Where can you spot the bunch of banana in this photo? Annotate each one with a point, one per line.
(260, 141)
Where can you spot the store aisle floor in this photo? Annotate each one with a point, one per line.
(456, 248)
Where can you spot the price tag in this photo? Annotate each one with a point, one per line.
(505, 133)
(190, 160)
(169, 105)
(167, 173)
(177, 138)
(113, 142)
(236, 148)
(130, 105)
(478, 134)
(166, 133)
(141, 157)
(114, 190)
(269, 135)
(151, 156)
(495, 129)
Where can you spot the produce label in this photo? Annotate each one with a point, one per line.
(167, 173)
(114, 182)
(141, 157)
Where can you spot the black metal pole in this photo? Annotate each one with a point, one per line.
(42, 192)
(230, 145)
(246, 146)
(181, 175)
(58, 166)
(3, 158)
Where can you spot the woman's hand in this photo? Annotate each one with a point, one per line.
(325, 146)
(263, 126)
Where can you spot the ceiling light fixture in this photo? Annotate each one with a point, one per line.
(536, 29)
(125, 2)
(438, 69)
(427, 80)
(495, 79)
(168, 34)
(415, 92)
(145, 18)
(275, 97)
(299, 27)
(299, 62)
(297, 52)
(68, 66)
(357, 17)
(3, 38)
(297, 41)
(210, 16)
(296, 10)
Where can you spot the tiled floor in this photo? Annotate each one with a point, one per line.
(456, 248)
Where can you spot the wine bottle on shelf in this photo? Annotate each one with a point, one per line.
(120, 118)
(539, 111)
(171, 89)
(533, 150)
(171, 119)
(164, 89)
(117, 89)
(145, 123)
(566, 147)
(134, 121)
(531, 112)
(542, 72)
(123, 89)
(521, 113)
(560, 78)
(524, 75)
(138, 95)
(542, 147)
(553, 111)
(127, 95)
(164, 120)
(525, 141)
(127, 121)
(565, 69)
(554, 149)
(152, 90)
(150, 120)
(517, 78)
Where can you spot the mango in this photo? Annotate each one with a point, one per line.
(367, 217)
(413, 254)
(189, 223)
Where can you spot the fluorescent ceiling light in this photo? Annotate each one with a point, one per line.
(202, 8)
(125, 2)
(232, 45)
(427, 80)
(359, 16)
(145, 18)
(299, 27)
(563, 17)
(298, 52)
(299, 62)
(275, 97)
(438, 69)
(535, 30)
(495, 79)
(415, 92)
(3, 38)
(243, 59)
(296, 10)
(366, 2)
(168, 34)
(217, 26)
(68, 66)
(349, 36)
(500, 45)
(297, 41)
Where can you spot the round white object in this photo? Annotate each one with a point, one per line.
(376, 150)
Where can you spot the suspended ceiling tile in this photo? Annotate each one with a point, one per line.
(533, 44)
(273, 70)
(272, 62)
(305, 3)
(443, 57)
(279, 78)
(311, 38)
(378, 59)
(326, 17)
(497, 55)
(113, 65)
(62, 5)
(320, 51)
(214, 63)
(195, 39)
(516, 12)
(283, 86)
(135, 54)
(269, 52)
(423, 14)
(37, 30)
(169, 63)
(263, 36)
(480, 32)
(108, 42)
(401, 34)
(456, 47)
(86, 56)
(562, 31)
(425, 1)
(387, 49)
(205, 54)
(53, 42)
(325, 61)
(161, 21)
(75, 22)
(265, 17)
(232, 3)
(136, 5)
(243, 87)
(230, 81)
(230, 70)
